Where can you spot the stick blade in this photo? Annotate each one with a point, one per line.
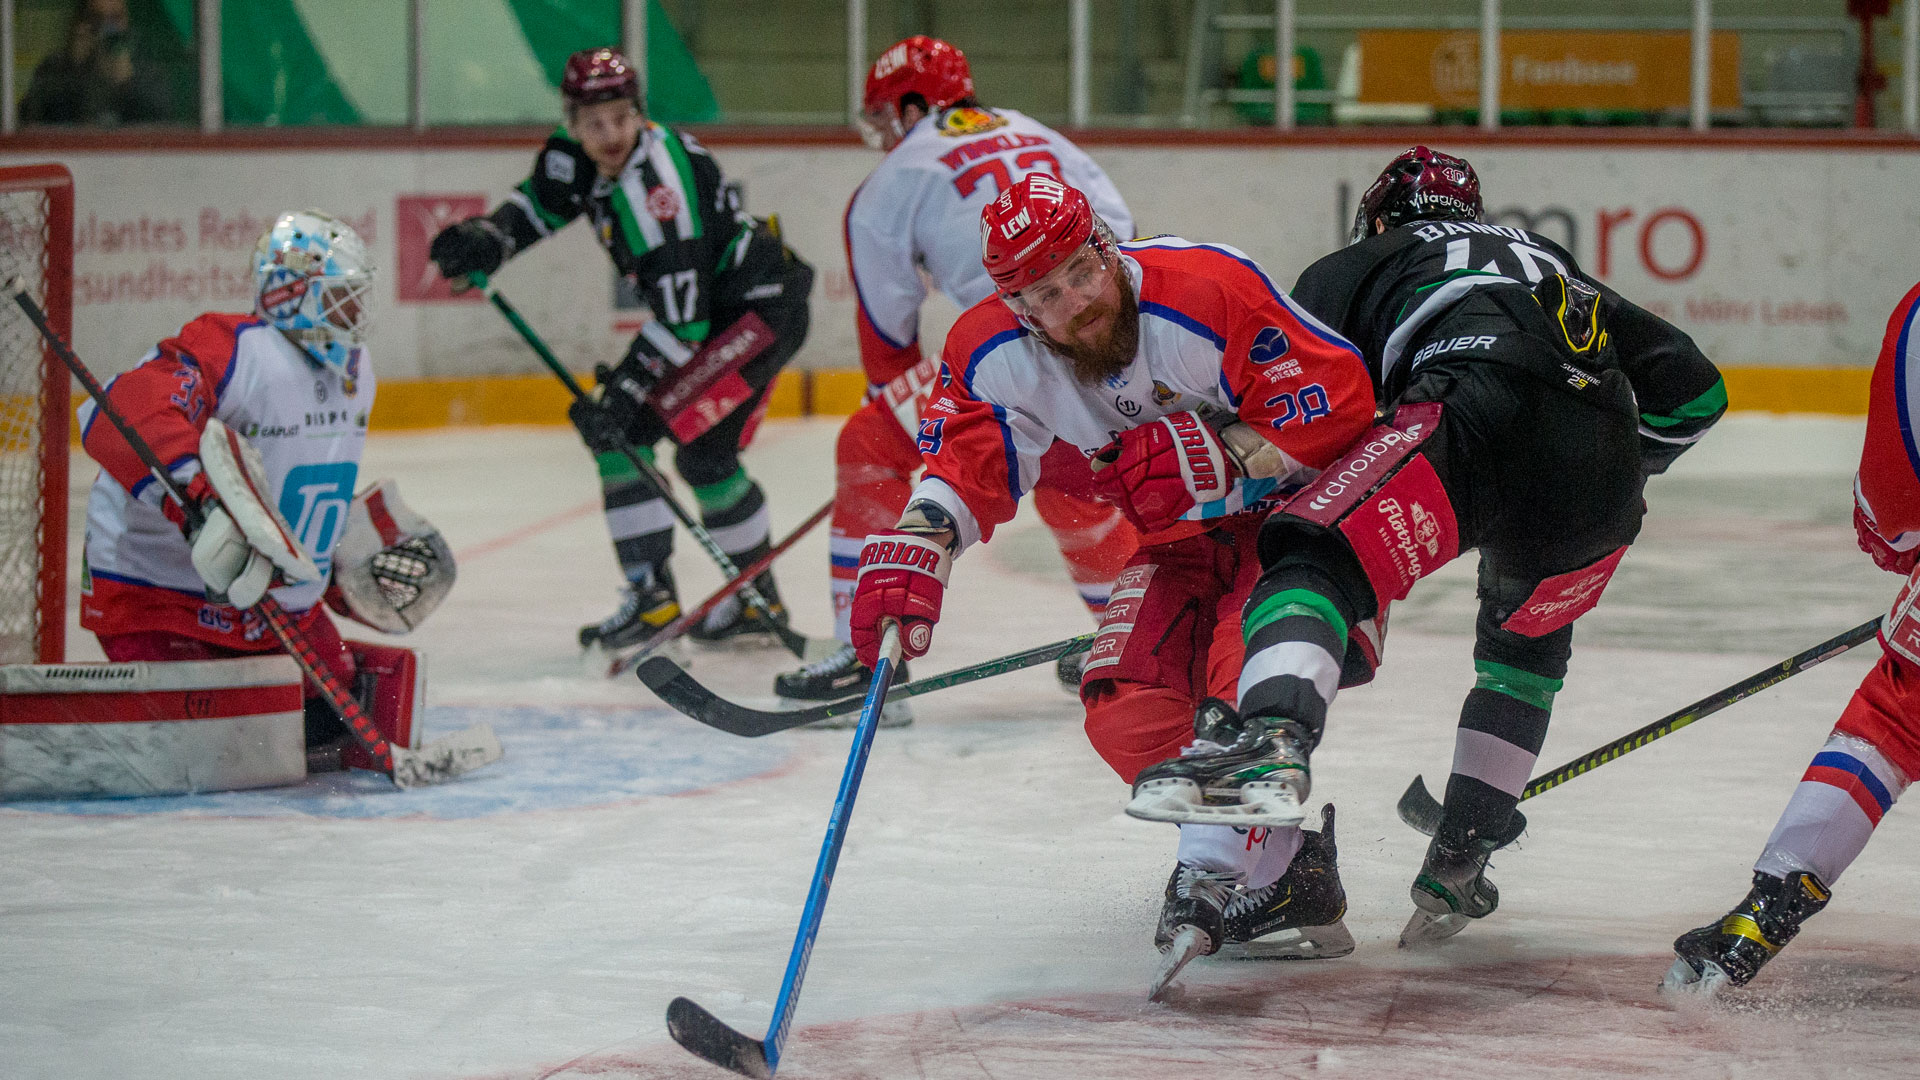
(446, 759)
(1418, 808)
(707, 1038)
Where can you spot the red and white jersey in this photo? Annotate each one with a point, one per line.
(1216, 335)
(309, 422)
(1888, 484)
(919, 210)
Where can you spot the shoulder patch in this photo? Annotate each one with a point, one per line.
(559, 166)
(969, 121)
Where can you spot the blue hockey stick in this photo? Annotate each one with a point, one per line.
(699, 1030)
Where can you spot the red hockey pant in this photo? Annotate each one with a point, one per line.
(1885, 711)
(164, 645)
(1171, 637)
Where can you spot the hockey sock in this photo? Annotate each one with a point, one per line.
(1257, 857)
(867, 498)
(1847, 788)
(1295, 626)
(1502, 725)
(637, 517)
(734, 510)
(1094, 537)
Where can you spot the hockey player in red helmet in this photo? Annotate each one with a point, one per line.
(1526, 404)
(913, 223)
(675, 230)
(1202, 394)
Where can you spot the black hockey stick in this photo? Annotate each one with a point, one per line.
(626, 661)
(684, 692)
(1421, 810)
(757, 604)
(706, 1035)
(439, 761)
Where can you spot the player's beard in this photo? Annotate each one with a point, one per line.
(1092, 363)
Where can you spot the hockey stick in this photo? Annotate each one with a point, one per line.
(682, 691)
(1421, 810)
(699, 1030)
(434, 763)
(757, 604)
(626, 661)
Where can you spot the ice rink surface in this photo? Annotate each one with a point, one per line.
(992, 913)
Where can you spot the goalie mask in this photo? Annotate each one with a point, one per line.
(392, 568)
(313, 281)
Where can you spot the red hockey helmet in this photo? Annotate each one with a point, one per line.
(597, 75)
(1037, 227)
(921, 65)
(1420, 185)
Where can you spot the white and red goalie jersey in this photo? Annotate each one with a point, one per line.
(919, 210)
(309, 423)
(1215, 334)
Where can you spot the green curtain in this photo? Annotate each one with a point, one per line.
(677, 92)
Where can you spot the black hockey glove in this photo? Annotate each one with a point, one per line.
(475, 245)
(599, 428)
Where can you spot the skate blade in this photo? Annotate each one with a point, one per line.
(1300, 943)
(1682, 980)
(1426, 927)
(1189, 942)
(1180, 802)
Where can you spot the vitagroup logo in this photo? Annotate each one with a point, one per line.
(1356, 469)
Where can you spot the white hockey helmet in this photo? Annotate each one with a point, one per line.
(312, 279)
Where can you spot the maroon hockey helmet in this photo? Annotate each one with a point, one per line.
(1420, 185)
(597, 75)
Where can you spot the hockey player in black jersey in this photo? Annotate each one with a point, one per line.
(675, 230)
(1523, 405)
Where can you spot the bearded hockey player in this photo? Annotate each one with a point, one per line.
(918, 212)
(1873, 752)
(1527, 404)
(713, 278)
(280, 399)
(1201, 391)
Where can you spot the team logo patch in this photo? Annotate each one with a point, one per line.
(559, 166)
(1269, 344)
(1164, 394)
(969, 121)
(663, 203)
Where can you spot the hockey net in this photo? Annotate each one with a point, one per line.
(36, 246)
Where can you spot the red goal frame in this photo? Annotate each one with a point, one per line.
(55, 183)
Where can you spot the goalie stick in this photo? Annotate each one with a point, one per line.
(757, 605)
(438, 761)
(1421, 810)
(706, 1035)
(626, 660)
(682, 691)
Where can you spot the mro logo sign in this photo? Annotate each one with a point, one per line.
(1670, 242)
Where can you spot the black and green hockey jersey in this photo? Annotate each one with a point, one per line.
(669, 220)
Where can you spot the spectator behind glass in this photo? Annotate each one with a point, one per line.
(100, 76)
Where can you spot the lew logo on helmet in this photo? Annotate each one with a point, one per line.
(1011, 227)
(890, 61)
(1045, 187)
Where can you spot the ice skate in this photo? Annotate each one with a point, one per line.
(1250, 773)
(840, 675)
(1451, 889)
(1298, 917)
(1068, 670)
(1733, 950)
(1192, 922)
(645, 609)
(731, 623)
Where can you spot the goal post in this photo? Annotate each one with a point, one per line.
(36, 245)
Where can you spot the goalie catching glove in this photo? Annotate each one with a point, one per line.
(1157, 472)
(903, 577)
(241, 544)
(392, 567)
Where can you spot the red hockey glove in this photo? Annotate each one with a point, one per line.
(902, 578)
(1885, 556)
(199, 492)
(1156, 472)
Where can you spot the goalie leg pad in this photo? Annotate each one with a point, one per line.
(391, 568)
(392, 688)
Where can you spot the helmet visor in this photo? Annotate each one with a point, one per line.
(1068, 288)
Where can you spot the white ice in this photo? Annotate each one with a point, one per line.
(992, 913)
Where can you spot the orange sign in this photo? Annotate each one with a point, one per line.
(1643, 71)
